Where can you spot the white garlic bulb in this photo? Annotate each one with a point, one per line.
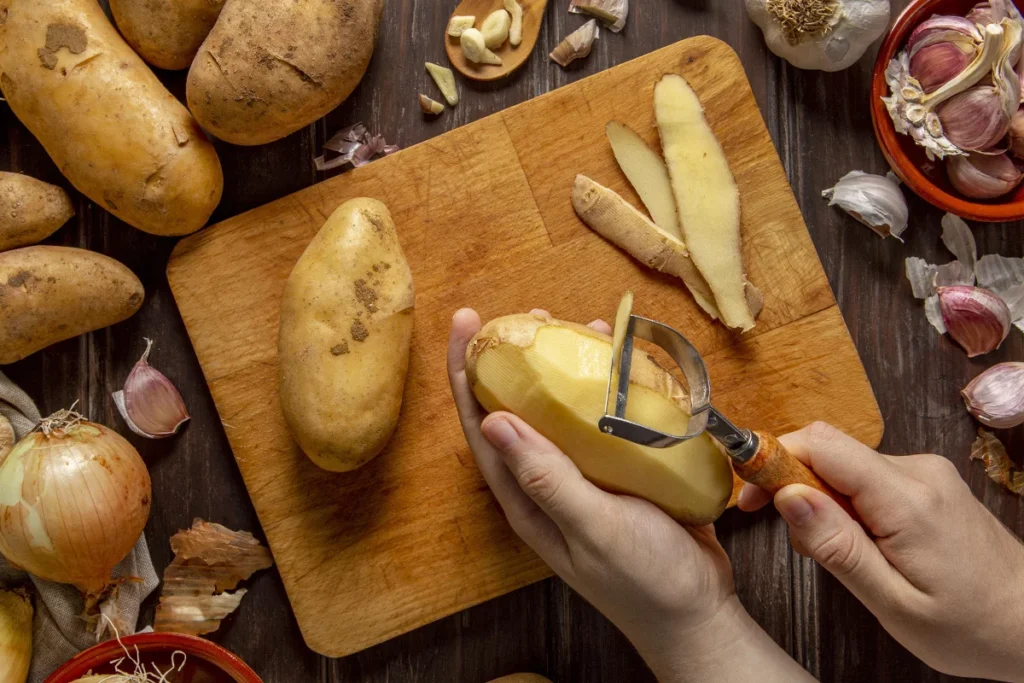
(828, 35)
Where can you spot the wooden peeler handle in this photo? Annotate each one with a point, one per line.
(773, 468)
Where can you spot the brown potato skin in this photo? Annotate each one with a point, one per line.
(110, 126)
(49, 294)
(271, 67)
(166, 34)
(344, 337)
(30, 210)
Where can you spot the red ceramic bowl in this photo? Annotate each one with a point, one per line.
(198, 650)
(926, 178)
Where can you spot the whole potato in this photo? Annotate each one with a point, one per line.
(30, 210)
(49, 294)
(345, 332)
(166, 34)
(110, 126)
(270, 67)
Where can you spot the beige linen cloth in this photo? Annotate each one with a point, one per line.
(59, 632)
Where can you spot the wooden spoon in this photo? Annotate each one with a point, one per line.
(511, 57)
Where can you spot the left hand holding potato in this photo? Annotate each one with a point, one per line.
(669, 588)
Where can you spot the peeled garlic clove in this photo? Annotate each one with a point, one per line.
(976, 318)
(996, 397)
(983, 176)
(936, 64)
(874, 200)
(149, 403)
(974, 120)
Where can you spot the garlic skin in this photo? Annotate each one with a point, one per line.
(983, 176)
(149, 403)
(996, 397)
(977, 319)
(874, 200)
(852, 27)
(15, 635)
(612, 13)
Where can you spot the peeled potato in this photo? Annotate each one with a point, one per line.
(554, 375)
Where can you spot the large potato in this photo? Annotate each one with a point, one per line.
(270, 67)
(48, 294)
(554, 375)
(110, 126)
(166, 34)
(345, 332)
(30, 210)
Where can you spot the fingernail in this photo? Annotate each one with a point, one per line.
(794, 509)
(501, 434)
(745, 493)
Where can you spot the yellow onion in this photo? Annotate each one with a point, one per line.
(15, 635)
(74, 498)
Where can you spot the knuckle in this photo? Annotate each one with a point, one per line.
(822, 432)
(540, 483)
(839, 552)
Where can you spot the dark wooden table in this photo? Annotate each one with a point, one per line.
(821, 127)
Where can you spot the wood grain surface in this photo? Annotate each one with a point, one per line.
(820, 125)
(415, 535)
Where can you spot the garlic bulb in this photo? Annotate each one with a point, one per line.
(874, 200)
(983, 176)
(827, 35)
(996, 397)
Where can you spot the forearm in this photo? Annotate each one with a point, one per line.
(730, 648)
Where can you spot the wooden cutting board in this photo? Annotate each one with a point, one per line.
(485, 220)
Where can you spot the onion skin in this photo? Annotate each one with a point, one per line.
(73, 502)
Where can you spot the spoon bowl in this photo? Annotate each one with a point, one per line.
(511, 57)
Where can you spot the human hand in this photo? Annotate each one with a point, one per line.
(940, 573)
(667, 587)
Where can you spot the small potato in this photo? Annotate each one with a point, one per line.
(110, 126)
(49, 294)
(30, 210)
(344, 338)
(166, 34)
(271, 67)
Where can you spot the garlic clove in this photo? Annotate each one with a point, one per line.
(983, 176)
(996, 397)
(1017, 131)
(936, 64)
(874, 200)
(612, 13)
(974, 120)
(983, 13)
(943, 28)
(576, 45)
(977, 319)
(149, 402)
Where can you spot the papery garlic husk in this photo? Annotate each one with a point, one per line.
(874, 200)
(977, 319)
(612, 13)
(996, 397)
(998, 466)
(974, 120)
(983, 176)
(576, 45)
(149, 403)
(827, 35)
(15, 635)
(913, 111)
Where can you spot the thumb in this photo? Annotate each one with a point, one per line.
(823, 531)
(544, 473)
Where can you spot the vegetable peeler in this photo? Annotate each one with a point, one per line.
(757, 457)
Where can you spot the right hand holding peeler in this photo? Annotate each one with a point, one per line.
(757, 457)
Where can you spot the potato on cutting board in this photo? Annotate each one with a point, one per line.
(344, 337)
(30, 210)
(49, 294)
(111, 127)
(554, 375)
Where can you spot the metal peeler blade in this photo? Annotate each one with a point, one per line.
(741, 443)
